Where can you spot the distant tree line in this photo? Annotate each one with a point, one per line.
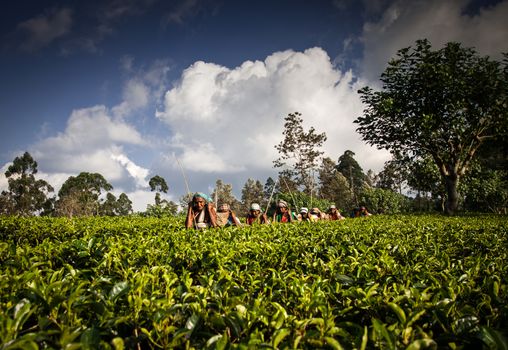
(443, 115)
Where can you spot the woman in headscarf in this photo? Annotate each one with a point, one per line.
(227, 217)
(283, 213)
(200, 214)
(256, 216)
(304, 215)
(334, 214)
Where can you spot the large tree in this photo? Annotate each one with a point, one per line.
(79, 195)
(393, 176)
(123, 205)
(334, 186)
(300, 151)
(439, 103)
(26, 195)
(353, 172)
(108, 207)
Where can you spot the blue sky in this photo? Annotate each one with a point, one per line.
(124, 88)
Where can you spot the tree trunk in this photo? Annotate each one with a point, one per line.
(452, 200)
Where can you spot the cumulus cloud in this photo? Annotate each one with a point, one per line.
(42, 30)
(229, 120)
(404, 22)
(140, 174)
(93, 141)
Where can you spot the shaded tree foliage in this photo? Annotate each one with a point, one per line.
(79, 195)
(393, 176)
(384, 201)
(116, 207)
(441, 104)
(123, 205)
(334, 187)
(353, 172)
(286, 182)
(26, 195)
(108, 207)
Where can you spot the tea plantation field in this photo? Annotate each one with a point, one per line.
(387, 282)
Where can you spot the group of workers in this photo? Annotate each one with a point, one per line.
(201, 214)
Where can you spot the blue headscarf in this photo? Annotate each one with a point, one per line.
(202, 195)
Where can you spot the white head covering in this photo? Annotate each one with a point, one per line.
(255, 206)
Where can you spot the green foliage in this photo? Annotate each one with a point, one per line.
(441, 104)
(334, 186)
(252, 192)
(486, 190)
(161, 210)
(26, 195)
(79, 195)
(369, 283)
(116, 207)
(123, 205)
(379, 200)
(157, 183)
(352, 171)
(299, 150)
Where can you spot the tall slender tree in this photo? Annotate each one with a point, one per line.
(158, 184)
(353, 172)
(299, 151)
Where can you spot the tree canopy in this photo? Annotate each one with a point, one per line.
(158, 184)
(299, 150)
(440, 103)
(26, 195)
(79, 195)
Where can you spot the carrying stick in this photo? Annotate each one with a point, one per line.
(291, 194)
(270, 199)
(186, 185)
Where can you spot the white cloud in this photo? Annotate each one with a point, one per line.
(92, 142)
(140, 174)
(40, 31)
(91, 128)
(4, 184)
(404, 22)
(141, 198)
(229, 120)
